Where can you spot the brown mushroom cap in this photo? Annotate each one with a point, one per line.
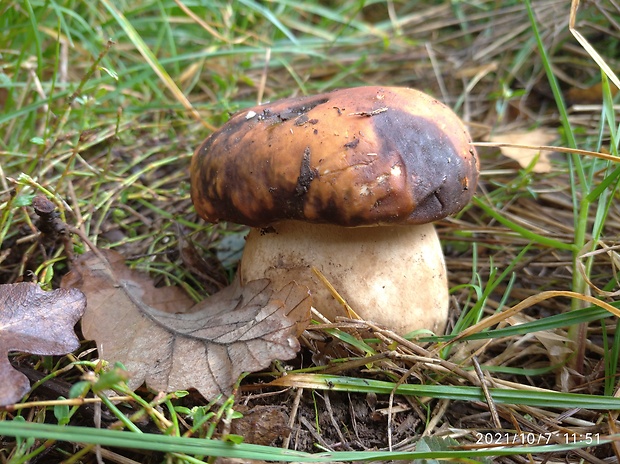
(351, 157)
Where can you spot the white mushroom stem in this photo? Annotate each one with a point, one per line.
(394, 276)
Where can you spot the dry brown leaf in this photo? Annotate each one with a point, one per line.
(556, 346)
(206, 347)
(37, 322)
(588, 95)
(524, 156)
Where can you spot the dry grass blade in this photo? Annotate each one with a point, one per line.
(577, 151)
(528, 302)
(350, 311)
(198, 20)
(589, 48)
(614, 258)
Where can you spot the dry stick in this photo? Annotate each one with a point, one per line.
(402, 379)
(440, 411)
(3, 182)
(97, 421)
(110, 455)
(390, 411)
(317, 436)
(80, 233)
(388, 334)
(369, 114)
(328, 405)
(487, 394)
(291, 421)
(354, 419)
(437, 70)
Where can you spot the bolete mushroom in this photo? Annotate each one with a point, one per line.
(347, 182)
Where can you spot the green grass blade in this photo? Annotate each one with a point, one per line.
(553, 82)
(578, 316)
(538, 398)
(525, 233)
(271, 18)
(35, 35)
(580, 184)
(215, 448)
(152, 60)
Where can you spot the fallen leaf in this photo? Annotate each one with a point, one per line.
(37, 322)
(524, 156)
(588, 95)
(176, 347)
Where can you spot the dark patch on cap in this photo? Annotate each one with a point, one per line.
(306, 175)
(353, 143)
(301, 120)
(437, 175)
(286, 115)
(299, 109)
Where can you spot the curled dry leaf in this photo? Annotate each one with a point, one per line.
(37, 322)
(171, 346)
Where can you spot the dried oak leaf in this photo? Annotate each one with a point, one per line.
(523, 156)
(37, 322)
(170, 346)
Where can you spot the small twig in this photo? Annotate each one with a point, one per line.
(487, 394)
(306, 423)
(85, 239)
(291, 422)
(97, 423)
(330, 411)
(353, 418)
(390, 412)
(441, 410)
(417, 349)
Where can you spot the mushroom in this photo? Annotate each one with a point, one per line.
(348, 182)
